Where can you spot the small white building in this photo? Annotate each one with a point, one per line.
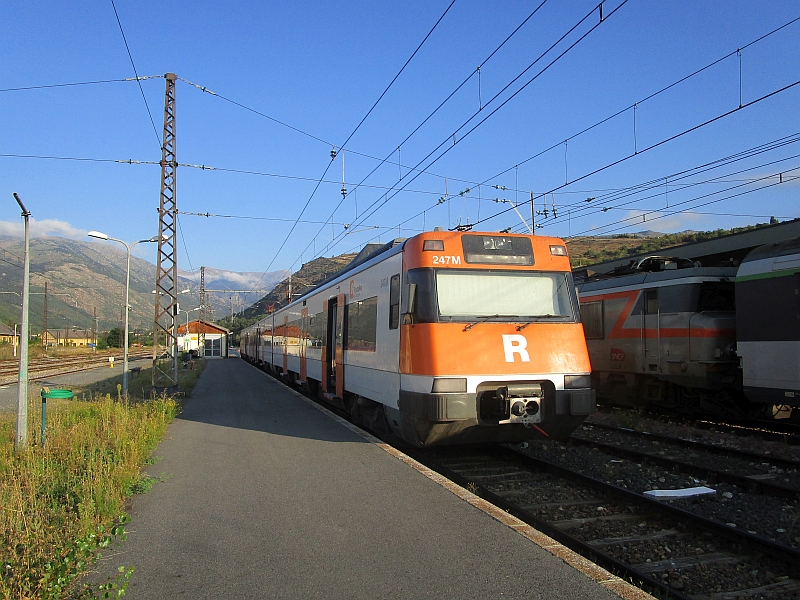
(215, 339)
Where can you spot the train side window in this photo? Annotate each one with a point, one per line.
(592, 318)
(394, 302)
(651, 301)
(362, 324)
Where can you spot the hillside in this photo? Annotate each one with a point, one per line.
(88, 278)
(309, 275)
(585, 251)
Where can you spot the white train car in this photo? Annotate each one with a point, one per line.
(768, 324)
(447, 337)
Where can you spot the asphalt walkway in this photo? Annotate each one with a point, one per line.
(263, 495)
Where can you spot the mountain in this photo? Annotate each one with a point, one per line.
(229, 290)
(309, 275)
(88, 278)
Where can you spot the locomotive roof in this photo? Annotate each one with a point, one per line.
(783, 248)
(650, 277)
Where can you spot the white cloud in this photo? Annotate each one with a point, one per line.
(637, 220)
(48, 227)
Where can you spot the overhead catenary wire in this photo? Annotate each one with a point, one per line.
(674, 212)
(376, 206)
(686, 173)
(650, 96)
(349, 137)
(667, 140)
(138, 81)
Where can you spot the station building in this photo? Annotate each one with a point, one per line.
(207, 339)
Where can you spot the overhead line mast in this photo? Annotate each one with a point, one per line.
(166, 301)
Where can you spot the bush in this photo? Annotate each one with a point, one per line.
(64, 502)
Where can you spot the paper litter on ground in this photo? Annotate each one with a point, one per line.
(693, 491)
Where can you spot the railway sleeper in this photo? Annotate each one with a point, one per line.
(573, 523)
(687, 562)
(658, 535)
(774, 590)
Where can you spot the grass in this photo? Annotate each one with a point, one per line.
(61, 504)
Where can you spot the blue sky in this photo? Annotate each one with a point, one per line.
(320, 66)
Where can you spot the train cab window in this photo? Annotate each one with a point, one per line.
(592, 318)
(425, 310)
(394, 302)
(716, 295)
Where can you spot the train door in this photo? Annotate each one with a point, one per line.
(333, 364)
(303, 343)
(285, 345)
(651, 331)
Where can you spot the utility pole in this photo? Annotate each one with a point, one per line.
(166, 304)
(21, 439)
(533, 217)
(201, 333)
(44, 319)
(94, 328)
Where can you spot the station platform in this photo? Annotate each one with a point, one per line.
(264, 494)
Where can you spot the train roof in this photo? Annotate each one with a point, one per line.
(784, 248)
(366, 254)
(673, 276)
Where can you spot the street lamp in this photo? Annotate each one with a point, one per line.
(103, 236)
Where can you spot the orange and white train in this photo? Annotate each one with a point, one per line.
(443, 338)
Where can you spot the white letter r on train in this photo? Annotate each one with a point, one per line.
(515, 344)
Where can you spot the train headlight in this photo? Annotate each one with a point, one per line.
(572, 382)
(518, 409)
(449, 386)
(532, 407)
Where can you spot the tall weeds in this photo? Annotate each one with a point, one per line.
(58, 505)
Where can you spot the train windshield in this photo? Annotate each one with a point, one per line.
(505, 295)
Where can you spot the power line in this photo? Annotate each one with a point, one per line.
(374, 206)
(138, 81)
(59, 85)
(681, 175)
(333, 152)
(661, 143)
(413, 54)
(649, 97)
(794, 178)
(772, 32)
(435, 111)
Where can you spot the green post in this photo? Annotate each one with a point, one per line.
(48, 393)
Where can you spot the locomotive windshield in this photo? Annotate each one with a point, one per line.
(464, 295)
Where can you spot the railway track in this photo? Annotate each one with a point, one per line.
(756, 472)
(679, 553)
(668, 548)
(49, 367)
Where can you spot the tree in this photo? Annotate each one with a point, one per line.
(114, 338)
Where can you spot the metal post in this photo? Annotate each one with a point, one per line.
(44, 320)
(167, 263)
(127, 310)
(21, 439)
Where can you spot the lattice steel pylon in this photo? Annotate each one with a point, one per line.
(166, 301)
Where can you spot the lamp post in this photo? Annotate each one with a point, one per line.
(103, 236)
(21, 439)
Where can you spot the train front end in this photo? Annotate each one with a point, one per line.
(491, 344)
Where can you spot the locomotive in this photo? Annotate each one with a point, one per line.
(668, 333)
(442, 338)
